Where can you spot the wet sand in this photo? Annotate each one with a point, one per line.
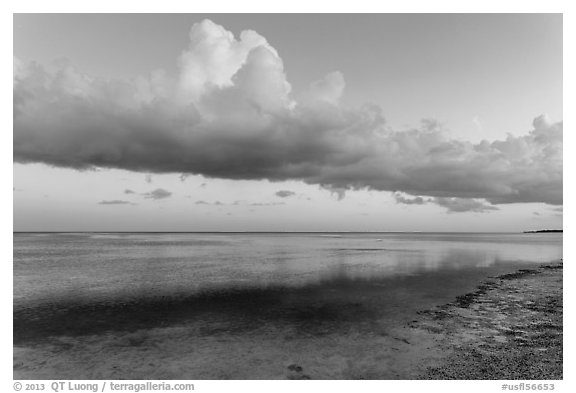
(511, 327)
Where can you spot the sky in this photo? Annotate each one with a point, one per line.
(287, 122)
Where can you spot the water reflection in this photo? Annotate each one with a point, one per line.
(103, 267)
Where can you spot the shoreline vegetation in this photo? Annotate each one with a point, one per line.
(509, 327)
(545, 231)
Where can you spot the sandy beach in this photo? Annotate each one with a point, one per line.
(508, 327)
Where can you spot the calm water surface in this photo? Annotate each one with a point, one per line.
(104, 267)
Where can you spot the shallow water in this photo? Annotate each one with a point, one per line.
(85, 267)
(244, 306)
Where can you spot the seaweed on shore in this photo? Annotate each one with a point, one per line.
(529, 345)
(519, 274)
(464, 301)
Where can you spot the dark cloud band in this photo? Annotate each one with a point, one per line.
(229, 114)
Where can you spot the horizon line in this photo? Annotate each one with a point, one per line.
(224, 231)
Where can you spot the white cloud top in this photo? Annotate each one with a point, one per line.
(229, 114)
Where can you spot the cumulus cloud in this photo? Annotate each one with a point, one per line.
(328, 89)
(453, 205)
(284, 193)
(158, 193)
(115, 202)
(410, 201)
(229, 113)
(460, 205)
(338, 191)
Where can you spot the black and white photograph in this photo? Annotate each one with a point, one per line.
(287, 196)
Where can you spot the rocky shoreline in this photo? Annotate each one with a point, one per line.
(509, 328)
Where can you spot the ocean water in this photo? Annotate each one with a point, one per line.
(110, 267)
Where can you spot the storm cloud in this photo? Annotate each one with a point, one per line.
(230, 113)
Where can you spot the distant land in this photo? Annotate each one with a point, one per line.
(545, 231)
